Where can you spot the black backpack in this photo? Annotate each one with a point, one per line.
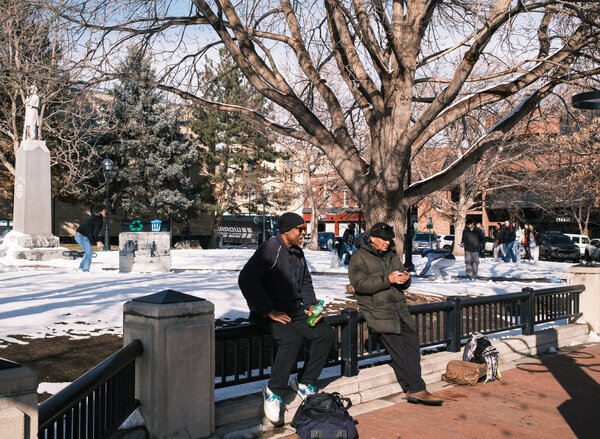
(324, 416)
(480, 350)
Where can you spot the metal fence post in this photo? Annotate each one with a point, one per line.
(454, 325)
(528, 312)
(349, 343)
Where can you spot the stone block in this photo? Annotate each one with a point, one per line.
(589, 300)
(18, 403)
(380, 392)
(32, 202)
(178, 341)
(12, 423)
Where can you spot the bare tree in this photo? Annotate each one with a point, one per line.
(403, 64)
(32, 53)
(466, 193)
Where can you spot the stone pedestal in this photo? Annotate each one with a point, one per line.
(32, 213)
(175, 374)
(589, 300)
(18, 401)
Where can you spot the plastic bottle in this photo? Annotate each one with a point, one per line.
(314, 315)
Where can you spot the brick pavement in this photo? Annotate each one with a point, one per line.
(550, 396)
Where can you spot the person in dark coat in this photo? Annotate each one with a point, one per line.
(278, 288)
(472, 239)
(379, 279)
(348, 237)
(87, 233)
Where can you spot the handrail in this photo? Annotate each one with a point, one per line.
(88, 382)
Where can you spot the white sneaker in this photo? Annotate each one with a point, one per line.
(302, 390)
(272, 405)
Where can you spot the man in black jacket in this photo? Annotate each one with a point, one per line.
(472, 240)
(278, 288)
(88, 233)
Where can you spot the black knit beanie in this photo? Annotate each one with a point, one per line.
(288, 221)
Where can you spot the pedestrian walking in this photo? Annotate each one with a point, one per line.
(379, 279)
(508, 240)
(472, 239)
(87, 233)
(348, 237)
(533, 243)
(497, 235)
(518, 240)
(277, 286)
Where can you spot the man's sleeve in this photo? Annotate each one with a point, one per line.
(308, 292)
(363, 281)
(250, 282)
(96, 230)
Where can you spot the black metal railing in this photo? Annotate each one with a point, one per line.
(97, 403)
(245, 353)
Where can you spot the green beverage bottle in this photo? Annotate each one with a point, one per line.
(314, 315)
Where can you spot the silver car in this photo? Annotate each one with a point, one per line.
(425, 240)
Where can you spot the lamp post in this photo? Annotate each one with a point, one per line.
(408, 263)
(107, 168)
(263, 192)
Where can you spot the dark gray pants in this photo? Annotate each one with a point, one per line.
(471, 264)
(406, 358)
(291, 337)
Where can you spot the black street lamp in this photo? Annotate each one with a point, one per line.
(107, 167)
(408, 263)
(263, 192)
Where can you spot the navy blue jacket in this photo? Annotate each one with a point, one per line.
(433, 254)
(276, 278)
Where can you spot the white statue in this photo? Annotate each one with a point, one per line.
(32, 118)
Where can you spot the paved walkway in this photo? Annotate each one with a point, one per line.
(551, 396)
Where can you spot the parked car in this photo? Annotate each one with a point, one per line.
(447, 242)
(322, 239)
(488, 246)
(558, 247)
(592, 250)
(425, 240)
(580, 241)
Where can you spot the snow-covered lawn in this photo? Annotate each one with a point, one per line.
(38, 299)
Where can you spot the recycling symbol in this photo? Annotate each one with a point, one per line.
(135, 226)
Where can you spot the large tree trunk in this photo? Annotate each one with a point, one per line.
(380, 208)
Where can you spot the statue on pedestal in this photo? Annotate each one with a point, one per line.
(32, 118)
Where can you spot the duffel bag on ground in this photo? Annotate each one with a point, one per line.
(324, 416)
(464, 372)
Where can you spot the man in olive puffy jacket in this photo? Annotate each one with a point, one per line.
(379, 279)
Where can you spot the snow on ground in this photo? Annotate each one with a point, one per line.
(52, 298)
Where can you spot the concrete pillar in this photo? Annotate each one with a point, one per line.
(18, 401)
(589, 302)
(175, 374)
(32, 208)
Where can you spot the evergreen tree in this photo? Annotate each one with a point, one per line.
(152, 157)
(237, 147)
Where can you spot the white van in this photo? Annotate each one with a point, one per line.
(580, 241)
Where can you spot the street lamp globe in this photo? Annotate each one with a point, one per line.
(107, 165)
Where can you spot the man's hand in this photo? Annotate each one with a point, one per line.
(280, 317)
(399, 277)
(309, 311)
(99, 244)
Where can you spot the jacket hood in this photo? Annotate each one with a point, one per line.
(362, 240)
